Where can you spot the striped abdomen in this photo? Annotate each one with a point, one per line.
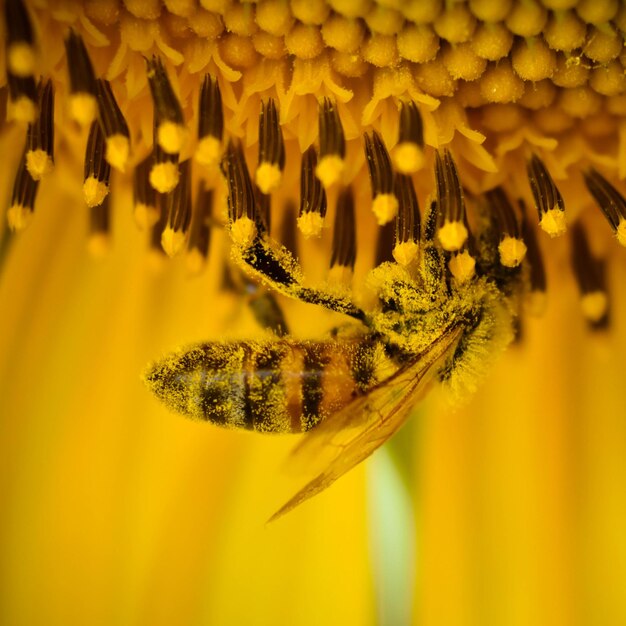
(278, 386)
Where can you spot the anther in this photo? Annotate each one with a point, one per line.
(408, 155)
(511, 248)
(384, 201)
(146, 209)
(178, 211)
(164, 172)
(200, 230)
(242, 210)
(22, 98)
(114, 125)
(83, 102)
(100, 228)
(589, 276)
(97, 170)
(40, 136)
(171, 133)
(385, 242)
(452, 230)
(407, 221)
(610, 201)
(536, 301)
(332, 145)
(548, 199)
(271, 149)
(210, 123)
(462, 266)
(312, 197)
(344, 232)
(21, 57)
(23, 198)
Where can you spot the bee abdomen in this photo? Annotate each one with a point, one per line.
(277, 387)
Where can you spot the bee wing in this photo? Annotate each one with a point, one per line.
(351, 435)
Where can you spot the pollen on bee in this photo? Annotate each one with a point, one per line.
(548, 199)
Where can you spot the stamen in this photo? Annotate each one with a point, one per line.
(210, 123)
(22, 98)
(548, 199)
(432, 262)
(114, 126)
(511, 248)
(407, 221)
(263, 211)
(157, 230)
(588, 271)
(408, 155)
(40, 136)
(97, 170)
(271, 149)
(344, 233)
(384, 201)
(452, 229)
(171, 131)
(100, 228)
(332, 145)
(536, 300)
(146, 210)
(21, 57)
(83, 104)
(164, 173)
(241, 200)
(200, 231)
(312, 197)
(462, 266)
(610, 201)
(385, 244)
(23, 198)
(288, 230)
(178, 211)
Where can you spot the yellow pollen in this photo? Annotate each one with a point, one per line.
(408, 157)
(621, 232)
(553, 222)
(463, 63)
(608, 80)
(597, 11)
(144, 9)
(310, 224)
(603, 44)
(98, 245)
(406, 252)
(164, 176)
(117, 151)
(594, 305)
(94, 191)
(172, 241)
(385, 207)
(83, 108)
(239, 19)
(310, 11)
(380, 50)
(38, 163)
(268, 177)
(208, 151)
(501, 84)
(274, 17)
(243, 231)
(304, 41)
(565, 31)
(490, 11)
(351, 8)
(512, 251)
(342, 33)
(238, 51)
(422, 12)
(532, 60)
(21, 59)
(269, 46)
(579, 102)
(145, 216)
(383, 20)
(569, 72)
(171, 137)
(22, 109)
(462, 266)
(19, 217)
(330, 169)
(456, 24)
(452, 235)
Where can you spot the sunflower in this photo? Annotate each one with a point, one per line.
(138, 130)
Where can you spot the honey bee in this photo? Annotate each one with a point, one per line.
(443, 310)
